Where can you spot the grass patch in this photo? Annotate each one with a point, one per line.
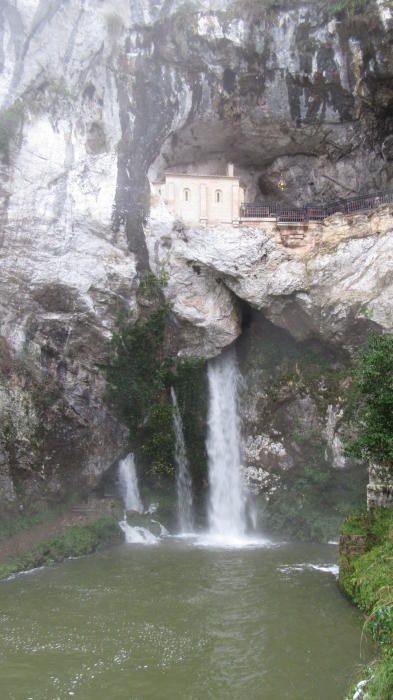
(380, 685)
(379, 677)
(24, 521)
(375, 525)
(74, 542)
(350, 7)
(367, 578)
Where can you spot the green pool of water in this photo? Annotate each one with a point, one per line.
(179, 622)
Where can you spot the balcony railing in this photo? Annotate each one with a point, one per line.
(311, 212)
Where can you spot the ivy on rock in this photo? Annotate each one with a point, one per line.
(372, 402)
(140, 372)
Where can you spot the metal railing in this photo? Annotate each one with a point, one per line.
(314, 212)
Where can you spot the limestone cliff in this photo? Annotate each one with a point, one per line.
(336, 285)
(96, 100)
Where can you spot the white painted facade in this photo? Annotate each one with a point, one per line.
(203, 199)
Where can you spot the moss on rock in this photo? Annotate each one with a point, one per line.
(74, 542)
(366, 576)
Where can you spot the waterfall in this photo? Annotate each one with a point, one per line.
(129, 484)
(132, 502)
(227, 518)
(183, 478)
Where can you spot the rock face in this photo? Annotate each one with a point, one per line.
(293, 399)
(336, 291)
(96, 99)
(379, 488)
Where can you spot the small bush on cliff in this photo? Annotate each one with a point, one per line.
(138, 376)
(190, 383)
(140, 373)
(350, 7)
(372, 402)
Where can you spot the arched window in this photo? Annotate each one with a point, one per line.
(187, 194)
(218, 197)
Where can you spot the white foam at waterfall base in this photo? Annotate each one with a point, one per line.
(324, 568)
(132, 502)
(227, 542)
(183, 477)
(137, 535)
(129, 484)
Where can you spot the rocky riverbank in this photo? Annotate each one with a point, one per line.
(77, 532)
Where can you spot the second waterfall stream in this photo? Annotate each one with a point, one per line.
(183, 478)
(128, 481)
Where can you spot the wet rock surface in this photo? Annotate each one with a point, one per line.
(336, 291)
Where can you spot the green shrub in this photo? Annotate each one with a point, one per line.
(158, 438)
(137, 369)
(368, 580)
(375, 525)
(371, 402)
(74, 542)
(380, 686)
(190, 383)
(350, 7)
(140, 373)
(138, 378)
(24, 521)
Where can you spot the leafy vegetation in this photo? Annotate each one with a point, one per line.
(74, 542)
(191, 389)
(353, 7)
(140, 373)
(372, 402)
(24, 521)
(366, 547)
(366, 576)
(350, 7)
(138, 376)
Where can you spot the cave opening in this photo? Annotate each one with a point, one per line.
(229, 81)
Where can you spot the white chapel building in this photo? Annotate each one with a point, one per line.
(203, 199)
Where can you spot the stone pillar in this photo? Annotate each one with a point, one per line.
(235, 205)
(379, 488)
(203, 205)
